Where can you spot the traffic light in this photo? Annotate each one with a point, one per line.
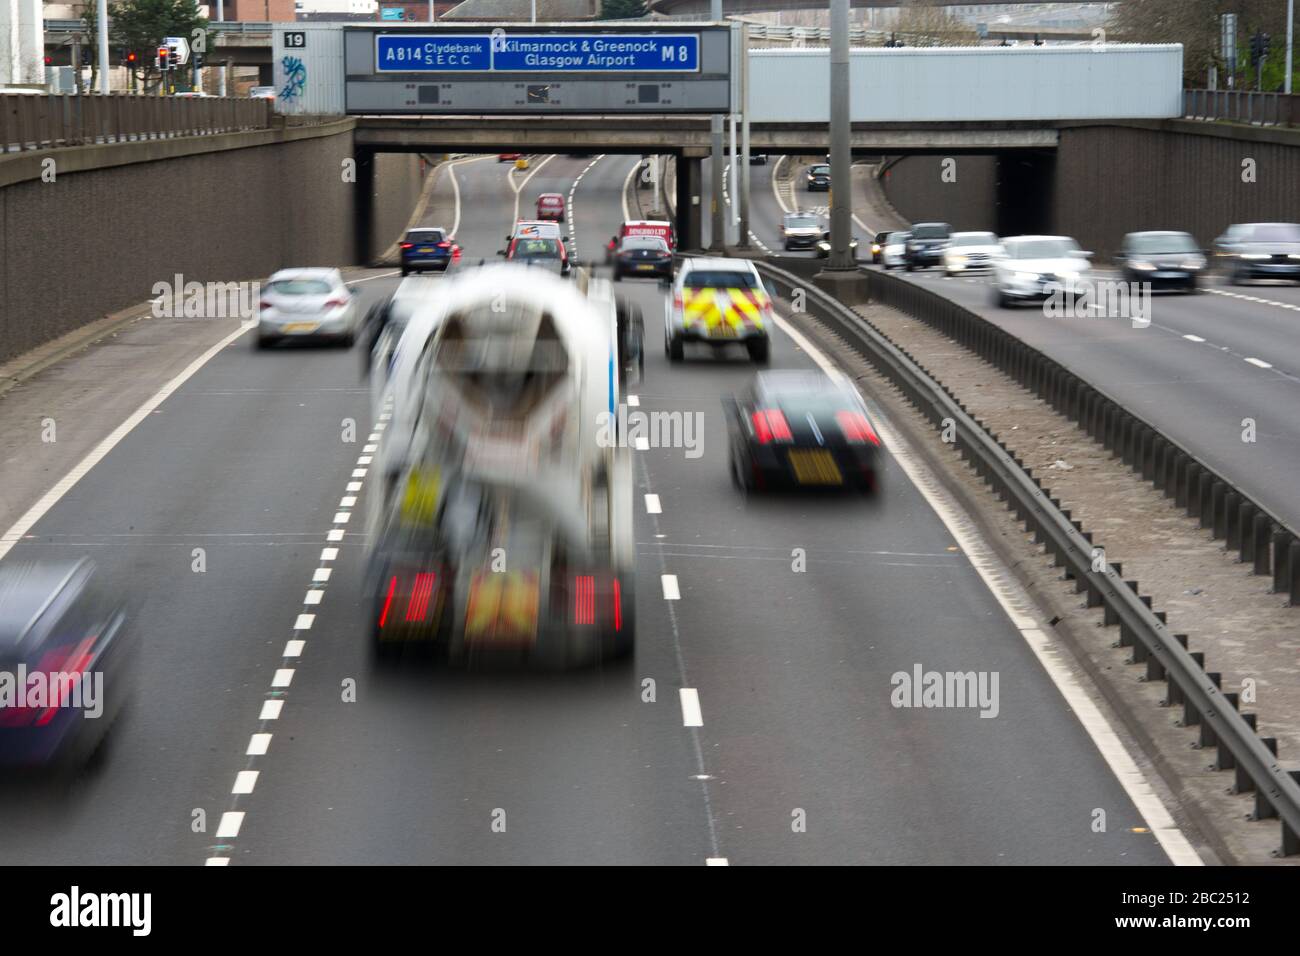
(131, 58)
(85, 56)
(49, 60)
(164, 58)
(1259, 44)
(197, 59)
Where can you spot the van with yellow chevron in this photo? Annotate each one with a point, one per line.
(718, 302)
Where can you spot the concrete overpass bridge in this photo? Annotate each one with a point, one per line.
(738, 7)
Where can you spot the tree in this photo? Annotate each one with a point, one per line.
(140, 25)
(623, 9)
(921, 24)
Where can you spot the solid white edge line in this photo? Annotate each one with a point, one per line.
(627, 210)
(669, 584)
(1094, 722)
(690, 699)
(775, 191)
(100, 451)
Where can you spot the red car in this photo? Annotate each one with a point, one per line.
(550, 206)
(508, 157)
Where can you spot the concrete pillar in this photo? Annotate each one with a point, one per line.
(690, 231)
(265, 74)
(364, 211)
(22, 42)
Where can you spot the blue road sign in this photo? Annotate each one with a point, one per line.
(404, 53)
(538, 53)
(392, 13)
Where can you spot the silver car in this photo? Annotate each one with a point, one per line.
(307, 304)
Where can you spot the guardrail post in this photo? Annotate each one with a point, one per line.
(1232, 519)
(1293, 573)
(1281, 560)
(1263, 536)
(1219, 520)
(1263, 809)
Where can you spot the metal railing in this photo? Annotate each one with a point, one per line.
(49, 121)
(1242, 106)
(214, 26)
(1205, 704)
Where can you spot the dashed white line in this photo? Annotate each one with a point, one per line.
(342, 517)
(245, 781)
(349, 501)
(283, 677)
(652, 505)
(691, 715)
(641, 443)
(313, 597)
(329, 554)
(1193, 338)
(633, 401)
(270, 711)
(258, 745)
(669, 582)
(321, 575)
(293, 648)
(1258, 363)
(335, 535)
(304, 622)
(230, 823)
(354, 486)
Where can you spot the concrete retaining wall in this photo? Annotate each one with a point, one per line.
(96, 239)
(915, 187)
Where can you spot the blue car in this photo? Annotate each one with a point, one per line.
(65, 664)
(428, 248)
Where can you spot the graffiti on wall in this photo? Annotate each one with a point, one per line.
(295, 78)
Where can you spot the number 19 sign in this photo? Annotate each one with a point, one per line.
(538, 53)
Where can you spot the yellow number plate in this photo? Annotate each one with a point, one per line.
(302, 326)
(815, 467)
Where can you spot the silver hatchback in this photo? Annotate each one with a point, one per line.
(307, 304)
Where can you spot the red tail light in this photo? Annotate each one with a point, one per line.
(584, 599)
(74, 665)
(857, 430)
(407, 245)
(335, 303)
(388, 601)
(444, 245)
(770, 425)
(618, 606)
(677, 301)
(417, 608)
(264, 304)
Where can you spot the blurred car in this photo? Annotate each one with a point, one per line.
(1036, 267)
(1259, 250)
(970, 252)
(551, 206)
(800, 428)
(191, 94)
(758, 159)
(428, 248)
(643, 256)
(262, 93)
(718, 302)
(895, 247)
(535, 229)
(508, 157)
(307, 304)
(878, 246)
(1164, 259)
(823, 247)
(548, 253)
(926, 244)
(800, 230)
(642, 227)
(59, 622)
(819, 178)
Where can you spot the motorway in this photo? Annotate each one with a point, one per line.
(1205, 363)
(791, 669)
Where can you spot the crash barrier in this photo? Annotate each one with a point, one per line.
(1242, 106)
(29, 122)
(1205, 705)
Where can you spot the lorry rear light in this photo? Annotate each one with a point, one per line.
(584, 599)
(417, 608)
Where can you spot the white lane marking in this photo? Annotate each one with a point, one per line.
(364, 460)
(349, 501)
(776, 172)
(294, 648)
(96, 455)
(633, 401)
(342, 517)
(374, 436)
(716, 861)
(230, 823)
(283, 677)
(627, 210)
(1077, 699)
(359, 472)
(691, 715)
(217, 861)
(1193, 338)
(369, 449)
(573, 189)
(641, 443)
(321, 575)
(354, 486)
(1254, 298)
(520, 188)
(728, 170)
(669, 583)
(1258, 363)
(313, 597)
(329, 554)
(258, 744)
(335, 535)
(304, 622)
(455, 187)
(652, 505)
(245, 781)
(271, 710)
(382, 275)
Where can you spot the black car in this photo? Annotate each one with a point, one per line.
(878, 246)
(647, 256)
(801, 429)
(67, 635)
(926, 245)
(429, 248)
(819, 178)
(1165, 260)
(758, 159)
(1260, 250)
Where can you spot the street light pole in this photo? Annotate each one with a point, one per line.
(101, 15)
(718, 237)
(221, 17)
(841, 256)
(1290, 28)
